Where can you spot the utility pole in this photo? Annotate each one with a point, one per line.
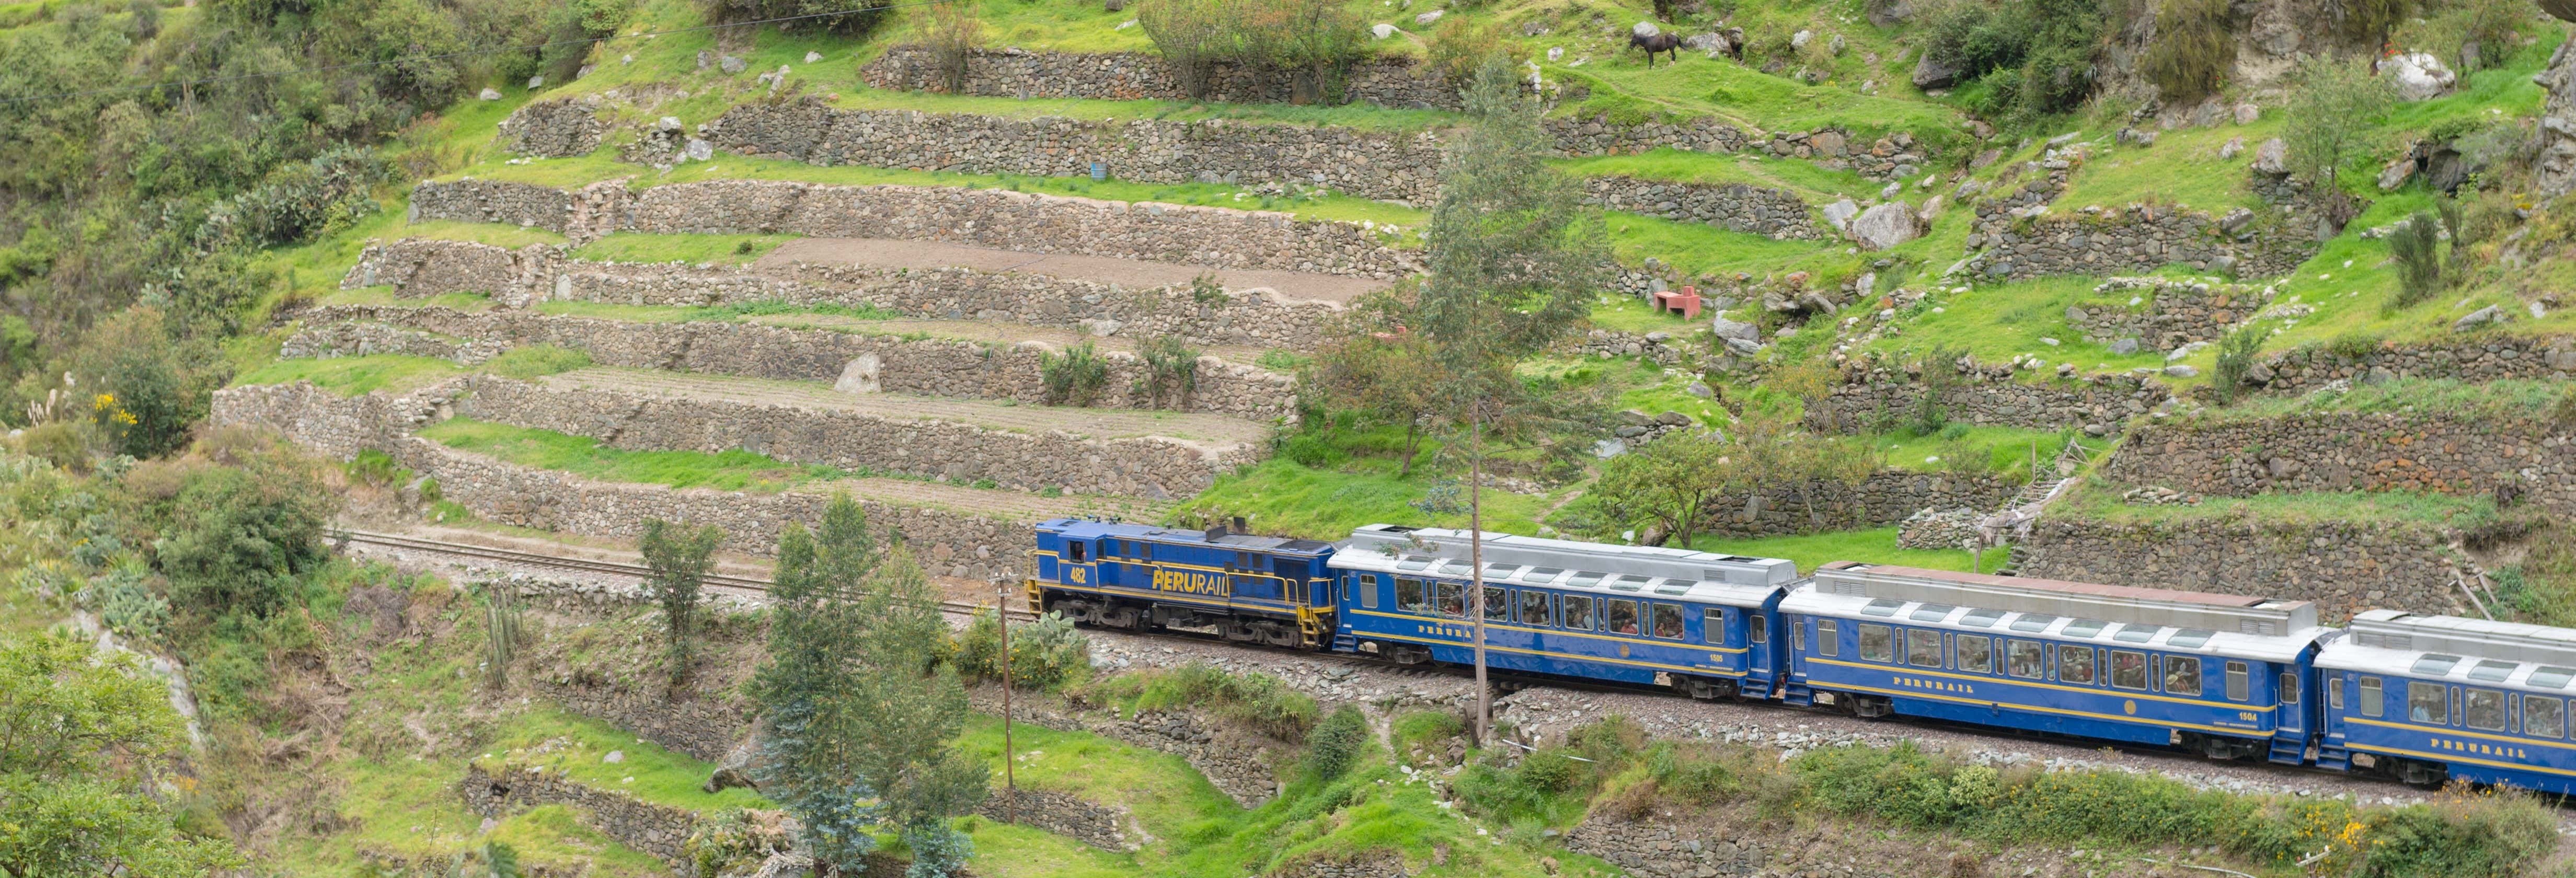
(1476, 561)
(1010, 786)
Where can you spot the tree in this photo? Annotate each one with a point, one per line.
(2331, 113)
(861, 710)
(1514, 259)
(1671, 479)
(238, 536)
(80, 730)
(679, 560)
(1378, 366)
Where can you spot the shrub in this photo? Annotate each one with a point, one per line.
(2416, 244)
(1192, 36)
(2471, 835)
(1171, 372)
(61, 443)
(2033, 57)
(1336, 743)
(951, 33)
(1256, 701)
(304, 198)
(238, 536)
(1311, 452)
(1457, 50)
(1074, 377)
(1940, 374)
(2192, 51)
(1044, 653)
(1315, 40)
(2354, 344)
(850, 20)
(2330, 117)
(2236, 355)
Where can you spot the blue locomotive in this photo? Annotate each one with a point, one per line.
(2420, 699)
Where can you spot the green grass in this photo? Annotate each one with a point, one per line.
(536, 361)
(495, 234)
(1162, 790)
(1875, 544)
(1805, 178)
(2510, 399)
(1977, 450)
(715, 249)
(576, 746)
(1277, 496)
(2099, 499)
(1633, 315)
(732, 470)
(355, 376)
(1994, 323)
(383, 296)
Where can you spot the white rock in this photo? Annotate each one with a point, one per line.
(1132, 23)
(1644, 29)
(1425, 19)
(698, 151)
(2419, 76)
(491, 94)
(1840, 213)
(1554, 53)
(811, 57)
(626, 59)
(1800, 39)
(1382, 30)
(536, 82)
(614, 756)
(1884, 226)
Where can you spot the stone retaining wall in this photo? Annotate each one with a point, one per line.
(1735, 206)
(1659, 850)
(1231, 759)
(1364, 162)
(1021, 221)
(554, 128)
(1126, 76)
(421, 267)
(2137, 237)
(1989, 396)
(1161, 469)
(930, 367)
(1886, 497)
(2345, 567)
(1065, 814)
(2169, 313)
(2345, 451)
(2490, 358)
(654, 829)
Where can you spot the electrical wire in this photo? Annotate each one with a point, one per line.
(458, 54)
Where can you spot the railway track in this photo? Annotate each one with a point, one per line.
(585, 565)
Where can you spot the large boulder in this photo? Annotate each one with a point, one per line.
(1839, 214)
(1644, 29)
(2273, 157)
(1932, 73)
(1725, 328)
(2418, 76)
(1885, 225)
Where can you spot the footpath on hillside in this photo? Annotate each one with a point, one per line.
(1301, 286)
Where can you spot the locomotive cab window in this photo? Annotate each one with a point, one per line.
(2182, 675)
(2128, 669)
(1828, 637)
(1409, 596)
(2239, 685)
(1619, 617)
(1578, 612)
(2075, 664)
(2483, 709)
(2427, 703)
(1073, 551)
(1922, 648)
(2022, 658)
(1668, 621)
(1533, 608)
(1757, 628)
(2374, 700)
(1976, 653)
(2544, 717)
(1877, 643)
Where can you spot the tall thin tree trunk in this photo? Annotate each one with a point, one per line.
(1476, 562)
(1412, 446)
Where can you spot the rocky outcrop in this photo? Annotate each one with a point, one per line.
(2554, 169)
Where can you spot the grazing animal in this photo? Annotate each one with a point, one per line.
(1654, 43)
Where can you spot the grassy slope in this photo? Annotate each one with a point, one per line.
(733, 470)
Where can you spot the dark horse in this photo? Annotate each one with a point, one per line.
(1662, 42)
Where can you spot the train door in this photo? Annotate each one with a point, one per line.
(2293, 698)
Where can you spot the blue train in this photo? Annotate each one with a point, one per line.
(2420, 699)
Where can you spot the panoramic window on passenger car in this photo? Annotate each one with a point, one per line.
(2083, 628)
(1932, 612)
(2239, 687)
(1542, 575)
(1757, 628)
(1668, 620)
(1585, 579)
(1882, 607)
(1500, 571)
(1533, 608)
(2483, 709)
(1976, 653)
(1453, 599)
(1629, 582)
(2033, 622)
(1413, 563)
(2492, 672)
(2436, 665)
(1409, 596)
(2191, 638)
(2128, 669)
(1578, 612)
(1712, 626)
(1828, 637)
(1981, 618)
(1498, 604)
(2074, 664)
(2550, 678)
(2428, 703)
(2182, 675)
(2022, 659)
(2136, 633)
(1455, 567)
(1877, 643)
(1619, 617)
(2544, 717)
(2374, 701)
(1922, 648)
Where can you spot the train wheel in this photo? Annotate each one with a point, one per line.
(2419, 773)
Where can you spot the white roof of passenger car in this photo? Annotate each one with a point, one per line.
(2234, 626)
(1623, 571)
(2488, 653)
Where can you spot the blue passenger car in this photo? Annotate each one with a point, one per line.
(1696, 621)
(2222, 674)
(1249, 588)
(2428, 698)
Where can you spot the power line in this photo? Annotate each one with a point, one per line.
(460, 54)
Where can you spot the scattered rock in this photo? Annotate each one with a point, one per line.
(698, 150)
(614, 757)
(1800, 39)
(2396, 174)
(1380, 30)
(2419, 76)
(2481, 317)
(490, 94)
(1840, 214)
(811, 57)
(2125, 347)
(1644, 29)
(2179, 370)
(2273, 157)
(536, 82)
(1425, 19)
(731, 64)
(2247, 113)
(1885, 226)
(706, 59)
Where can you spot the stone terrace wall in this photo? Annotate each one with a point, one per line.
(1232, 760)
(1887, 497)
(328, 423)
(2345, 567)
(554, 128)
(1366, 163)
(1145, 467)
(654, 829)
(2345, 451)
(982, 217)
(1067, 815)
(2097, 403)
(2174, 313)
(2490, 358)
(1126, 76)
(422, 267)
(2137, 237)
(931, 367)
(1735, 206)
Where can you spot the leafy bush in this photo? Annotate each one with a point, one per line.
(237, 537)
(1171, 371)
(952, 32)
(2033, 57)
(1314, 39)
(1309, 451)
(2192, 51)
(1074, 377)
(2470, 835)
(2236, 355)
(2330, 116)
(1044, 653)
(1336, 743)
(124, 598)
(2416, 244)
(1457, 49)
(61, 443)
(1253, 700)
(2354, 344)
(828, 15)
(296, 200)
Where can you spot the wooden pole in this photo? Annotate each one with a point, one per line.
(1476, 563)
(1010, 785)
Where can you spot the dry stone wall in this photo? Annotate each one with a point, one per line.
(1735, 206)
(1020, 221)
(931, 367)
(1886, 497)
(654, 829)
(422, 267)
(1232, 760)
(1068, 815)
(2345, 567)
(2347, 451)
(1991, 396)
(1159, 468)
(2166, 313)
(1367, 163)
(2136, 237)
(1126, 76)
(2489, 358)
(554, 128)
